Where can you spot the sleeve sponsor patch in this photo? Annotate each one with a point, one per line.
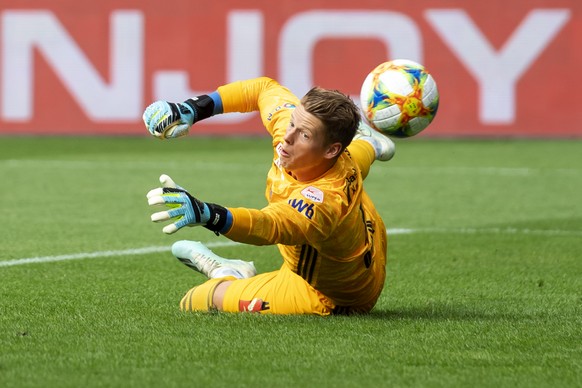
(287, 105)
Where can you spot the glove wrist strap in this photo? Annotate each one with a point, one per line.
(220, 219)
(203, 106)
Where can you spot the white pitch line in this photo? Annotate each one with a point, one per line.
(99, 254)
(539, 232)
(395, 231)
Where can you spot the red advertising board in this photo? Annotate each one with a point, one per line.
(502, 68)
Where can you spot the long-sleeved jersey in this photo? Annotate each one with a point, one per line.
(327, 229)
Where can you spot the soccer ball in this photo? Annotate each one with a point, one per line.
(399, 98)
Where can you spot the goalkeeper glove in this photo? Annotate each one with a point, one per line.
(186, 210)
(169, 120)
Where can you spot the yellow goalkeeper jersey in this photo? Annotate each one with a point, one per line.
(327, 229)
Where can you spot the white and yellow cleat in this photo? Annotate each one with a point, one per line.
(383, 145)
(197, 256)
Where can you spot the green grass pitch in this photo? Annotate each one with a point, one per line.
(484, 284)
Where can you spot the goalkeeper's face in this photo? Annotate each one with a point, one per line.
(306, 152)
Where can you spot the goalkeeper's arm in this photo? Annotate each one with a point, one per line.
(168, 120)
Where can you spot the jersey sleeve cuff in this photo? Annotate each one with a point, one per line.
(218, 109)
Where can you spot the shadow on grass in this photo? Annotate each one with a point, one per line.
(447, 312)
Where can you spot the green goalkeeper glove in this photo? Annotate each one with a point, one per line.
(186, 210)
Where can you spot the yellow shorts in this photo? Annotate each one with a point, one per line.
(281, 292)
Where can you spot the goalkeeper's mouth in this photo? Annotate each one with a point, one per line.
(283, 153)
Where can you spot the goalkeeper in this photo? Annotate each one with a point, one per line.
(330, 236)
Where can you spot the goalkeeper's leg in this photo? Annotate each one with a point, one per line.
(201, 298)
(197, 256)
(278, 292)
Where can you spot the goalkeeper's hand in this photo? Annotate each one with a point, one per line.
(185, 210)
(168, 119)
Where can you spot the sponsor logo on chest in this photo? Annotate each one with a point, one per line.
(304, 208)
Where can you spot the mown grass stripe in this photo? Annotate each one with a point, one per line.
(216, 165)
(394, 231)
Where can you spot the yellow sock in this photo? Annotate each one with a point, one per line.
(200, 297)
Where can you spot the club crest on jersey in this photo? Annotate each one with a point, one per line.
(313, 194)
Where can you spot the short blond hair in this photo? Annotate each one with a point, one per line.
(337, 111)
